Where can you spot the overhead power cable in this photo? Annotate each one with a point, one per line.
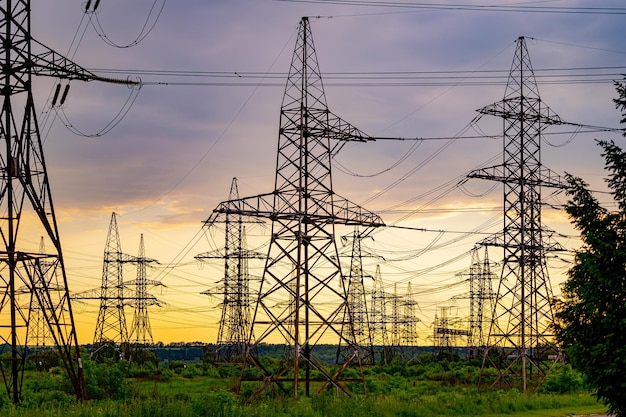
(471, 7)
(436, 78)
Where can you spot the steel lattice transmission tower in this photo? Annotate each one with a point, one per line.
(520, 345)
(25, 186)
(235, 321)
(39, 336)
(302, 268)
(481, 302)
(356, 317)
(447, 331)
(410, 338)
(140, 332)
(111, 329)
(378, 316)
(115, 294)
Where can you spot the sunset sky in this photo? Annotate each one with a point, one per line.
(214, 73)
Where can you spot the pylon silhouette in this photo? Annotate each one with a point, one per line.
(235, 321)
(26, 204)
(520, 346)
(302, 268)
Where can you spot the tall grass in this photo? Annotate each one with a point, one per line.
(221, 403)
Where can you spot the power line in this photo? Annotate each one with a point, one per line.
(469, 7)
(431, 78)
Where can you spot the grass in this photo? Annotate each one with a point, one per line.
(197, 392)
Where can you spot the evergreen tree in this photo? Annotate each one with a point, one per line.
(591, 318)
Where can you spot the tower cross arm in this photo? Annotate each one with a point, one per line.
(261, 205)
(533, 108)
(125, 258)
(339, 129)
(349, 213)
(342, 210)
(544, 177)
(51, 63)
(93, 294)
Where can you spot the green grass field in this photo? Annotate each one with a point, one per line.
(196, 390)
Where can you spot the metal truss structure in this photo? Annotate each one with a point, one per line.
(520, 346)
(111, 329)
(26, 204)
(115, 294)
(356, 316)
(235, 321)
(303, 294)
(481, 302)
(140, 331)
(378, 316)
(401, 324)
(447, 331)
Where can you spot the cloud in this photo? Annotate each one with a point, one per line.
(171, 159)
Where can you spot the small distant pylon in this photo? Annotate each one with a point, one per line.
(233, 336)
(410, 322)
(39, 333)
(378, 317)
(481, 302)
(141, 333)
(356, 316)
(111, 327)
(447, 332)
(395, 322)
(520, 346)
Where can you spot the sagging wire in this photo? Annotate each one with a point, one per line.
(148, 25)
(121, 114)
(403, 158)
(567, 141)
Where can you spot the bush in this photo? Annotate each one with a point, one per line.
(563, 381)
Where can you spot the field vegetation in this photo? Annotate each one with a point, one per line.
(432, 386)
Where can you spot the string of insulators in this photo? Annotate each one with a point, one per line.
(95, 5)
(56, 94)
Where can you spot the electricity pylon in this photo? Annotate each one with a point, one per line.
(235, 321)
(26, 204)
(520, 346)
(39, 333)
(378, 316)
(481, 302)
(115, 294)
(111, 329)
(410, 336)
(140, 332)
(395, 322)
(356, 317)
(302, 266)
(447, 331)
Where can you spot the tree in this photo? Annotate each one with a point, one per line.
(591, 319)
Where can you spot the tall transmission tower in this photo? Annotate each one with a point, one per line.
(303, 262)
(520, 346)
(140, 332)
(24, 187)
(235, 321)
(356, 316)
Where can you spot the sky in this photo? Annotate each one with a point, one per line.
(162, 157)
